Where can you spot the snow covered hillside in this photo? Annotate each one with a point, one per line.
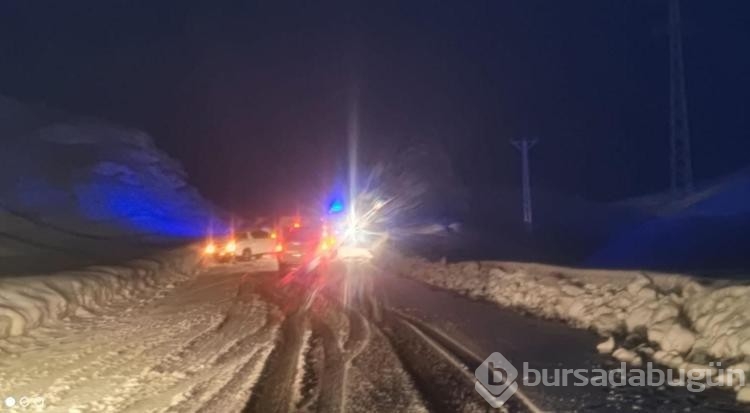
(72, 188)
(567, 228)
(675, 320)
(700, 232)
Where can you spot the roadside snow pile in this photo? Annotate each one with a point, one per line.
(678, 321)
(32, 301)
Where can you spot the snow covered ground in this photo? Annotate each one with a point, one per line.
(195, 342)
(178, 334)
(677, 321)
(29, 302)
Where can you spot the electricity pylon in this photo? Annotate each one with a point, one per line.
(681, 168)
(524, 145)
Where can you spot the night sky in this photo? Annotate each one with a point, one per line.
(253, 97)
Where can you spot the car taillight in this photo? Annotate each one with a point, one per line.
(327, 243)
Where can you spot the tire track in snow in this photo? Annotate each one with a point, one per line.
(334, 375)
(125, 360)
(274, 391)
(441, 379)
(203, 387)
(315, 375)
(234, 394)
(203, 331)
(206, 357)
(70, 367)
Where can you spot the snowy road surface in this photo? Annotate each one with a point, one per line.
(345, 338)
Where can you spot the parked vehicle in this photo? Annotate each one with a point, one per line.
(244, 246)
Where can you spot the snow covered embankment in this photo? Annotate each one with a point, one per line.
(32, 301)
(682, 323)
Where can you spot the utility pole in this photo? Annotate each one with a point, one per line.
(524, 145)
(681, 168)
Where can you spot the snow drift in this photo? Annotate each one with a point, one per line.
(678, 321)
(72, 188)
(32, 301)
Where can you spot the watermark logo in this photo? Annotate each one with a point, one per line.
(695, 379)
(496, 379)
(36, 402)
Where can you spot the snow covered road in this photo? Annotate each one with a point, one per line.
(343, 338)
(191, 346)
(475, 329)
(233, 338)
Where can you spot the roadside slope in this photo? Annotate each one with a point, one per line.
(76, 190)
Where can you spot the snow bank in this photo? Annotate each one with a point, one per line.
(678, 321)
(32, 301)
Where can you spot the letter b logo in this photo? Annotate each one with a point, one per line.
(496, 379)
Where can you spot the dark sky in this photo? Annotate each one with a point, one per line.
(253, 96)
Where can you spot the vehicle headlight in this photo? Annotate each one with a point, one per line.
(210, 249)
(230, 247)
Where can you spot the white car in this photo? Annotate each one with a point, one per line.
(244, 245)
(255, 244)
